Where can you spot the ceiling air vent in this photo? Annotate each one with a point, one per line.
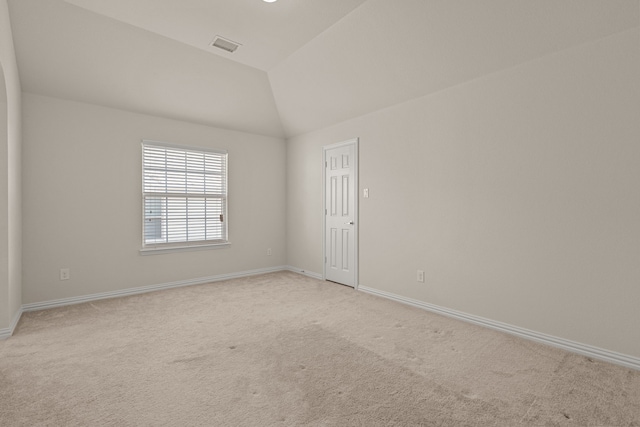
(225, 44)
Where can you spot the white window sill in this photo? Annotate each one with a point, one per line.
(170, 249)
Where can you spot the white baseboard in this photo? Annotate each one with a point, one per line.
(304, 272)
(572, 346)
(144, 289)
(7, 332)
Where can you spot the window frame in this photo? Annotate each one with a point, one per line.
(185, 245)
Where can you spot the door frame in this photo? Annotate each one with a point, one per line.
(356, 143)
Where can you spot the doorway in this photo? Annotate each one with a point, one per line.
(341, 212)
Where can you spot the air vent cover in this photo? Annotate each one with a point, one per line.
(225, 44)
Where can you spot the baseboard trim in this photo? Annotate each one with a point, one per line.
(7, 332)
(304, 272)
(572, 346)
(144, 289)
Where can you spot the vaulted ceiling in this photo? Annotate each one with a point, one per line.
(302, 65)
(267, 32)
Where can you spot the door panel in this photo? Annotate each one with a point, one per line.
(340, 199)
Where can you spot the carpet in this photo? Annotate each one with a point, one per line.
(283, 349)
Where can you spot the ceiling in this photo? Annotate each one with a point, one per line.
(268, 32)
(388, 52)
(303, 65)
(68, 52)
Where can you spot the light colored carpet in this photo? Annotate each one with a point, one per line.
(285, 350)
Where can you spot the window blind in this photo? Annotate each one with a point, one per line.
(184, 195)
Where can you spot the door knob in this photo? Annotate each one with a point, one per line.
(349, 223)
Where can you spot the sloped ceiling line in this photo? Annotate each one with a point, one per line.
(303, 65)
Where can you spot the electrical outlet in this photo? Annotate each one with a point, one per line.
(269, 252)
(365, 193)
(65, 274)
(420, 276)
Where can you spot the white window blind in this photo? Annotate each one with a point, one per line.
(184, 192)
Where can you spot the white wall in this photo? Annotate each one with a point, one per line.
(517, 193)
(10, 172)
(82, 200)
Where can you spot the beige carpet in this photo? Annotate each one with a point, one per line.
(286, 350)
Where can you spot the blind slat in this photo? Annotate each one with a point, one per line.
(184, 195)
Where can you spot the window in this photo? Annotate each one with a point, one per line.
(184, 196)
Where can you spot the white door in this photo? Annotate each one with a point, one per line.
(340, 228)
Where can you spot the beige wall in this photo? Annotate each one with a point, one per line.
(82, 200)
(517, 193)
(10, 172)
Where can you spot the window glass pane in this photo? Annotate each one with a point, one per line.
(153, 230)
(195, 161)
(213, 184)
(197, 208)
(154, 181)
(195, 183)
(176, 182)
(153, 208)
(176, 230)
(197, 229)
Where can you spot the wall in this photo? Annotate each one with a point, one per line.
(517, 193)
(10, 179)
(5, 315)
(82, 200)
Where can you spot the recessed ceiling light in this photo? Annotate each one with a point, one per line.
(268, 1)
